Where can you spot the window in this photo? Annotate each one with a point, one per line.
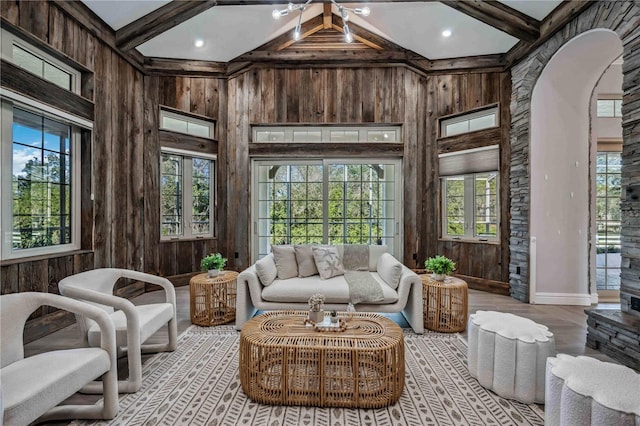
(609, 108)
(608, 227)
(470, 202)
(187, 195)
(181, 123)
(326, 201)
(40, 182)
(39, 63)
(309, 134)
(470, 122)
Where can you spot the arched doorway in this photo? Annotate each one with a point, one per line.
(560, 188)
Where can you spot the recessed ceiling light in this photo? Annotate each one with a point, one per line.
(446, 33)
(199, 42)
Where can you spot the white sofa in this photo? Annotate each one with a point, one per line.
(293, 293)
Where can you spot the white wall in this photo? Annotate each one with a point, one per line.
(609, 84)
(559, 156)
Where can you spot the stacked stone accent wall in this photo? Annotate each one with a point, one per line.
(615, 334)
(623, 17)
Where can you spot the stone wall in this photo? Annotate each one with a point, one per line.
(623, 17)
(615, 334)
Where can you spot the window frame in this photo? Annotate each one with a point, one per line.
(187, 195)
(187, 118)
(611, 98)
(6, 189)
(469, 198)
(443, 122)
(325, 134)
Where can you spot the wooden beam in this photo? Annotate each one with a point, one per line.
(499, 16)
(556, 20)
(310, 150)
(335, 56)
(159, 21)
(326, 16)
(311, 26)
(165, 66)
(192, 143)
(23, 82)
(495, 62)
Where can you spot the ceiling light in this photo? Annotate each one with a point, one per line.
(199, 42)
(343, 11)
(446, 33)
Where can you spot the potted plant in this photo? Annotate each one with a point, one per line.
(316, 314)
(213, 264)
(441, 266)
(334, 316)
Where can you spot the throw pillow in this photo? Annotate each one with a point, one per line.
(285, 257)
(374, 255)
(328, 261)
(266, 270)
(306, 262)
(389, 270)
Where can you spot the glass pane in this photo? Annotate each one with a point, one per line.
(27, 60)
(173, 124)
(57, 76)
(201, 196)
(605, 108)
(382, 136)
(454, 206)
(456, 128)
(269, 136)
(483, 122)
(171, 187)
(196, 129)
(617, 108)
(344, 136)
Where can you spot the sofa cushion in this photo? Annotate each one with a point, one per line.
(305, 260)
(328, 261)
(390, 270)
(266, 270)
(335, 290)
(355, 257)
(285, 257)
(374, 254)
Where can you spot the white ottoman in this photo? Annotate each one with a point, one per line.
(508, 354)
(586, 391)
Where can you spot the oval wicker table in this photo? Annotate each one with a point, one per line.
(213, 300)
(445, 304)
(285, 362)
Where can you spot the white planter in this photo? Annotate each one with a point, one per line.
(212, 273)
(438, 277)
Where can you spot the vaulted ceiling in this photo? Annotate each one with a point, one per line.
(483, 33)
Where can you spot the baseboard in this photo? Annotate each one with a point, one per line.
(573, 299)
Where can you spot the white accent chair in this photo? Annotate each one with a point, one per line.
(32, 387)
(134, 324)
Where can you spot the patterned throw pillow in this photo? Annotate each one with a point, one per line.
(286, 264)
(306, 262)
(328, 261)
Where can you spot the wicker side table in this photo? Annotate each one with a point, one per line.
(213, 300)
(445, 304)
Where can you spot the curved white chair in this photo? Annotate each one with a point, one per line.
(134, 324)
(33, 387)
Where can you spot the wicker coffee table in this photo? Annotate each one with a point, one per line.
(284, 362)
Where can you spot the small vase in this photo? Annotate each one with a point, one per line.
(439, 277)
(316, 316)
(212, 273)
(334, 319)
(350, 311)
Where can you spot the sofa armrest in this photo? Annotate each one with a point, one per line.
(410, 290)
(248, 295)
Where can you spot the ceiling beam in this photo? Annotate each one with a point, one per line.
(327, 16)
(159, 21)
(556, 20)
(165, 66)
(499, 16)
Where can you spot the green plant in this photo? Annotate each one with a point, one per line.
(213, 261)
(440, 265)
(334, 313)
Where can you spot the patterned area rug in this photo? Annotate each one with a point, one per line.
(198, 384)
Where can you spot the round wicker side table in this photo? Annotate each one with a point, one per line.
(445, 304)
(213, 300)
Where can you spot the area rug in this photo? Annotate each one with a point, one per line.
(198, 384)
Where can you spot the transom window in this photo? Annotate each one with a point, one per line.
(311, 134)
(187, 195)
(326, 201)
(36, 61)
(469, 122)
(609, 108)
(182, 123)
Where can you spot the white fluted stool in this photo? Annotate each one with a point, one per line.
(586, 391)
(508, 354)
